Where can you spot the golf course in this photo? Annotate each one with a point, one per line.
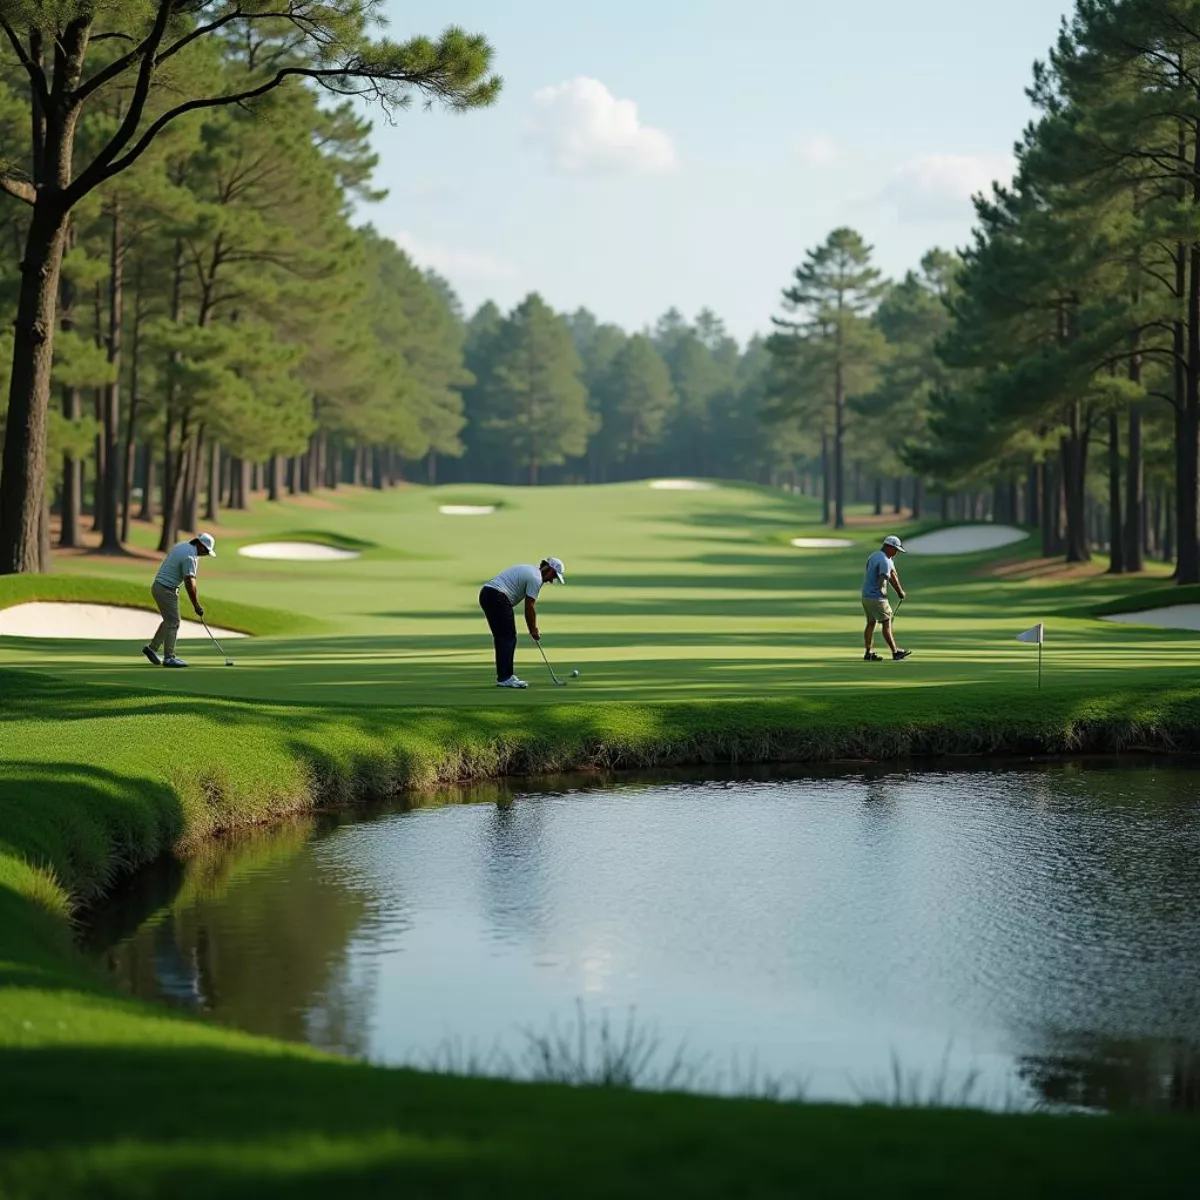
(701, 634)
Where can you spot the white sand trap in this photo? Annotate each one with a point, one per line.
(92, 622)
(681, 485)
(1176, 616)
(966, 539)
(467, 510)
(297, 552)
(821, 543)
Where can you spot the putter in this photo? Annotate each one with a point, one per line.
(558, 682)
(228, 660)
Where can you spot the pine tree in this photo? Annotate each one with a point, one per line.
(827, 348)
(68, 67)
(537, 404)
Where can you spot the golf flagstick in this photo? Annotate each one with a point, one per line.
(559, 682)
(228, 660)
(1036, 634)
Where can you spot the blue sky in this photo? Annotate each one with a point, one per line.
(688, 152)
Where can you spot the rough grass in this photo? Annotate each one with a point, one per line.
(701, 640)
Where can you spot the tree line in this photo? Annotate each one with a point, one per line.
(1050, 373)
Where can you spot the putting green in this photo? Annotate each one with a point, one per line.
(672, 595)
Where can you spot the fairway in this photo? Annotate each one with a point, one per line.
(672, 595)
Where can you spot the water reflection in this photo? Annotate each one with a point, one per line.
(1037, 928)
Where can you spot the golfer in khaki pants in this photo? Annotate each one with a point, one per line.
(178, 569)
(880, 572)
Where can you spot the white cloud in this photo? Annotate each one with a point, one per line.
(932, 187)
(819, 150)
(583, 127)
(471, 266)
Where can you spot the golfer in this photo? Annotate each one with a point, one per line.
(178, 568)
(880, 572)
(498, 597)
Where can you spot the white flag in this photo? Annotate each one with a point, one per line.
(1036, 634)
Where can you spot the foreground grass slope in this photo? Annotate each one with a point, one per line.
(678, 603)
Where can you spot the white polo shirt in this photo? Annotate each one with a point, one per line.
(518, 583)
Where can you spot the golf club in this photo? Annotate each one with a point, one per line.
(558, 682)
(228, 660)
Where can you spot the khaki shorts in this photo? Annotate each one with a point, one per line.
(877, 610)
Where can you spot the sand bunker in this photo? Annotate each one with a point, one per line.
(297, 552)
(681, 485)
(821, 543)
(467, 510)
(966, 539)
(1176, 616)
(92, 622)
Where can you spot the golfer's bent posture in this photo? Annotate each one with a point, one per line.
(178, 569)
(498, 597)
(880, 572)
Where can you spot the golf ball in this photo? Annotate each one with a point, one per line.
(575, 674)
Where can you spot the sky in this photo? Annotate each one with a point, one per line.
(646, 154)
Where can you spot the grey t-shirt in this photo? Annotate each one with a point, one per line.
(518, 583)
(184, 560)
(879, 567)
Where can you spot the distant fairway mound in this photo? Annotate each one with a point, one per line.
(90, 622)
(966, 539)
(297, 552)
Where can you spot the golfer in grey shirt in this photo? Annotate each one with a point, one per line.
(880, 572)
(178, 570)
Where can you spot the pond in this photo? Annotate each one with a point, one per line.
(1009, 937)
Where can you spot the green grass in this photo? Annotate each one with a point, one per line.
(702, 636)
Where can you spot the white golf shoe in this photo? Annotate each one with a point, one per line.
(512, 682)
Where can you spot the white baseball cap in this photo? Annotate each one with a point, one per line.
(556, 565)
(894, 542)
(206, 540)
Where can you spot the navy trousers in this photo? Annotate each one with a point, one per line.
(499, 612)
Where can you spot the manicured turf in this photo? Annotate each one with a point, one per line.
(678, 603)
(670, 595)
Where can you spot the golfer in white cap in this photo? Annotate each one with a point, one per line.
(178, 568)
(499, 596)
(880, 572)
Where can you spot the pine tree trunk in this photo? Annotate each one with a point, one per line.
(212, 504)
(1187, 531)
(1033, 495)
(1116, 541)
(839, 504)
(70, 534)
(878, 497)
(189, 518)
(1073, 449)
(110, 532)
(293, 476)
(826, 480)
(172, 490)
(149, 461)
(244, 478)
(1135, 494)
(918, 497)
(23, 473)
(432, 464)
(275, 478)
(132, 420)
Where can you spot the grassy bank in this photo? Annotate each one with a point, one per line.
(104, 1096)
(701, 637)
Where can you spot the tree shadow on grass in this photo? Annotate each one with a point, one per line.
(195, 1122)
